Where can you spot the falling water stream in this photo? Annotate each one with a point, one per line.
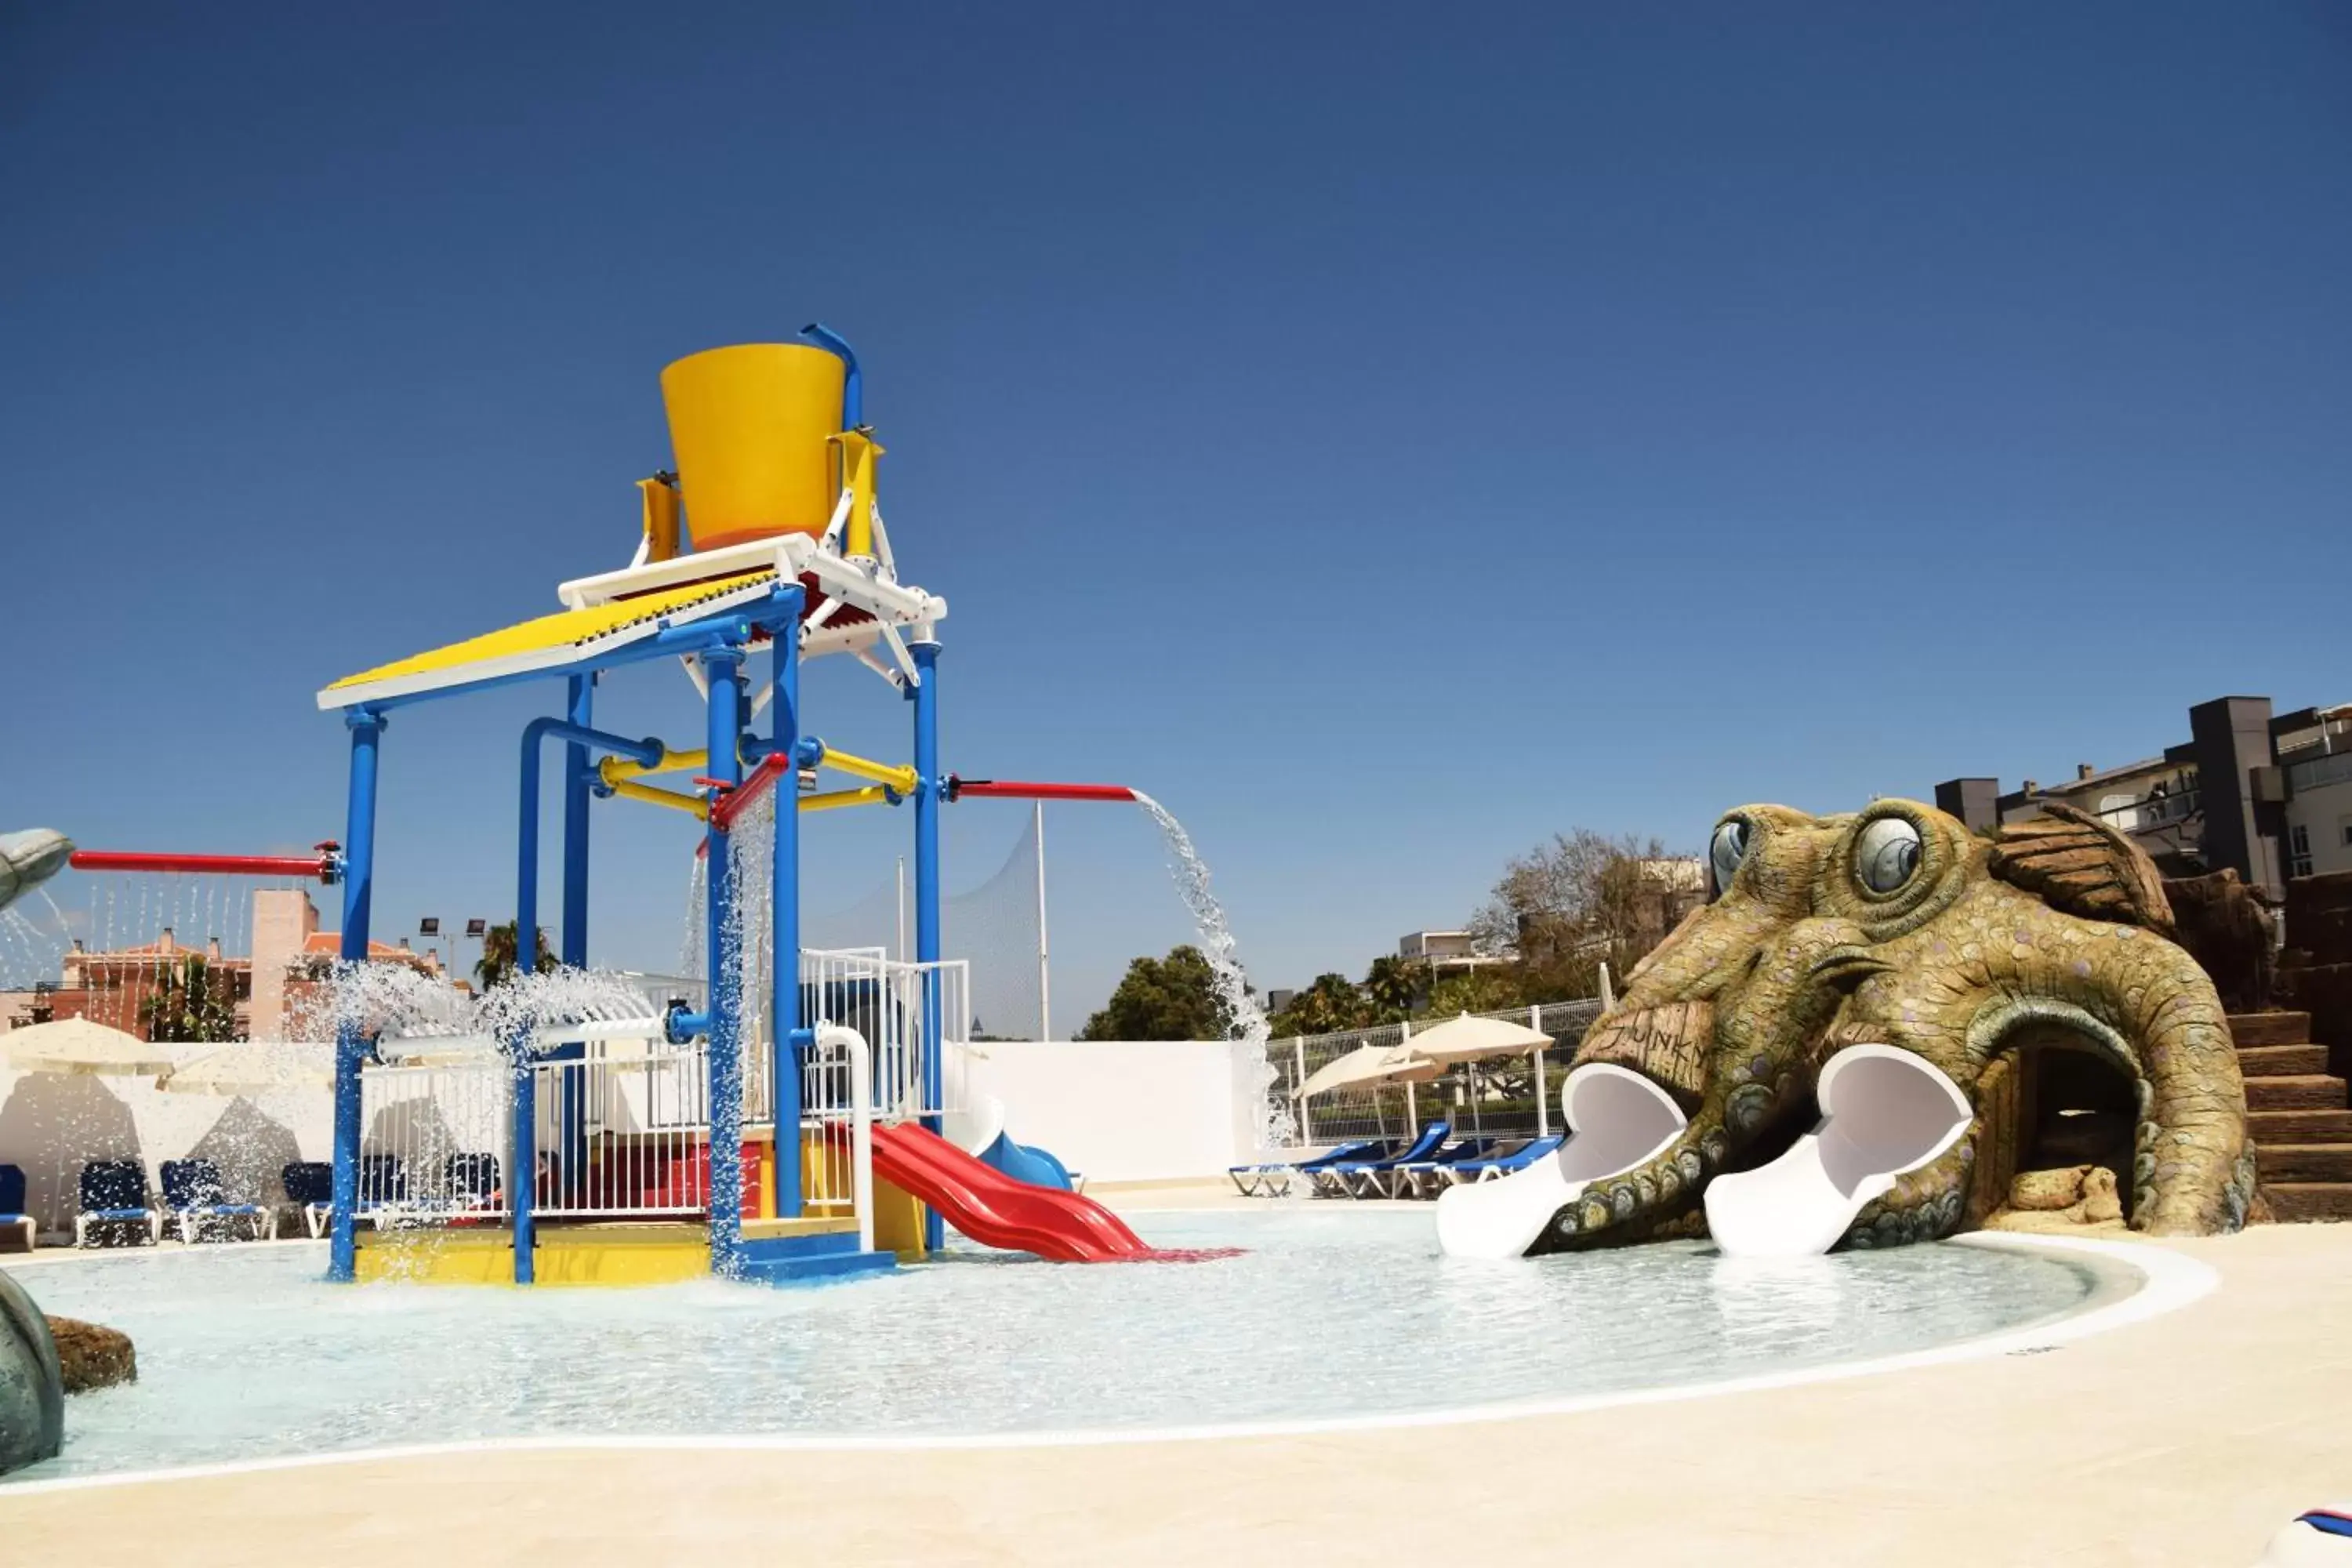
(1248, 1024)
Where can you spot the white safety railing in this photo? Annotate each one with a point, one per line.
(892, 1006)
(622, 1130)
(621, 1121)
(436, 1142)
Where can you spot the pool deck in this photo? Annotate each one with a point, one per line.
(2187, 1439)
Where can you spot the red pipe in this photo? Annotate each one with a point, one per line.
(736, 801)
(1013, 789)
(321, 866)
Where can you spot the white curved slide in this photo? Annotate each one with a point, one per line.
(1885, 1112)
(1617, 1120)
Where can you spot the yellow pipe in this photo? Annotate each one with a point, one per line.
(829, 800)
(901, 779)
(660, 518)
(676, 800)
(859, 451)
(614, 769)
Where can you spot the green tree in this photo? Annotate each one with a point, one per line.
(1329, 1006)
(1488, 989)
(191, 1004)
(1565, 908)
(498, 954)
(1392, 988)
(1171, 998)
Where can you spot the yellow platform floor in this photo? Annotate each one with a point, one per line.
(632, 1252)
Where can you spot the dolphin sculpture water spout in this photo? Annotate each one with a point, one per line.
(29, 858)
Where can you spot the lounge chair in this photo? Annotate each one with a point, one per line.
(1433, 1169)
(383, 1189)
(1254, 1179)
(1354, 1178)
(1496, 1167)
(471, 1182)
(12, 1205)
(310, 1187)
(194, 1194)
(114, 1191)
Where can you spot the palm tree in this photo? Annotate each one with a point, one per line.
(1393, 986)
(498, 954)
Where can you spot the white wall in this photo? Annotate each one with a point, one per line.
(50, 1123)
(1124, 1110)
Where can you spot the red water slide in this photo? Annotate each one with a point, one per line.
(992, 1207)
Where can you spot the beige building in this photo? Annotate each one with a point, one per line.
(292, 958)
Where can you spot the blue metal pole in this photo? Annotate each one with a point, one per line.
(578, 774)
(522, 1164)
(351, 1046)
(523, 1175)
(852, 380)
(924, 694)
(784, 1019)
(723, 673)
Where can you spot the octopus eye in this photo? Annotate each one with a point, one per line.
(1887, 856)
(1727, 849)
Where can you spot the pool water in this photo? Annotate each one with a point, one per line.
(245, 1353)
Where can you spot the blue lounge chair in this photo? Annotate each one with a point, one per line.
(471, 1181)
(1254, 1179)
(12, 1204)
(193, 1194)
(310, 1187)
(1354, 1178)
(383, 1186)
(1498, 1167)
(114, 1191)
(1401, 1177)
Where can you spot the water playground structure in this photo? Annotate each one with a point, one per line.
(787, 1122)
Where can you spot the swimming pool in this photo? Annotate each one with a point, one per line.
(245, 1353)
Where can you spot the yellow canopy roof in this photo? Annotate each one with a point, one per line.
(546, 643)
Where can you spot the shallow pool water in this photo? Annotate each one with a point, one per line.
(246, 1353)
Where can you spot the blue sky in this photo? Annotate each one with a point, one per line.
(1387, 435)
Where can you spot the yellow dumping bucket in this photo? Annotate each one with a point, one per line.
(750, 427)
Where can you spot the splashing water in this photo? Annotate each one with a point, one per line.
(1249, 1026)
(396, 1002)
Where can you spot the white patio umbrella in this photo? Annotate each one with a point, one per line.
(1367, 1064)
(1469, 1039)
(77, 1046)
(254, 1067)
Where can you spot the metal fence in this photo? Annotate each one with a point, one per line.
(622, 1126)
(1509, 1097)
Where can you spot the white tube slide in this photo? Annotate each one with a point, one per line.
(1617, 1120)
(1884, 1113)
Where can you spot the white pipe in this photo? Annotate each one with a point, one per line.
(861, 1125)
(1543, 1107)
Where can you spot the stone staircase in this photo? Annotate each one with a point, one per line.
(2298, 1114)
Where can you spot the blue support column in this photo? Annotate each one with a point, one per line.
(784, 1017)
(926, 891)
(573, 944)
(723, 672)
(522, 1172)
(351, 1046)
(523, 1151)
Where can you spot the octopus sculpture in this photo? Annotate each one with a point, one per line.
(1898, 926)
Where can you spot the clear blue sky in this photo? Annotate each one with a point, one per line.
(1387, 435)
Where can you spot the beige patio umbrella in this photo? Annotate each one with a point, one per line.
(1469, 1039)
(80, 1047)
(1367, 1064)
(254, 1067)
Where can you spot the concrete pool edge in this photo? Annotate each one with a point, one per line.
(2168, 1280)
